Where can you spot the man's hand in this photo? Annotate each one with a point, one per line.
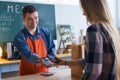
(47, 62)
(39, 60)
(59, 61)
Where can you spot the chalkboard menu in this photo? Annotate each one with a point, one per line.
(11, 19)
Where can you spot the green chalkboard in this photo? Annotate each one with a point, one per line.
(11, 19)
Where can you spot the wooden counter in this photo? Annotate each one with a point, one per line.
(8, 66)
(13, 65)
(5, 61)
(58, 75)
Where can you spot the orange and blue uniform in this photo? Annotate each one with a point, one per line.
(31, 47)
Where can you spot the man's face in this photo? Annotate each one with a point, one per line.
(31, 20)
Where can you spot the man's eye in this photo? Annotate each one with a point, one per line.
(29, 19)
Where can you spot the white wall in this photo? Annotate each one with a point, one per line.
(72, 15)
(118, 14)
(112, 6)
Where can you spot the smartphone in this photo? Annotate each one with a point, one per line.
(47, 62)
(55, 60)
(46, 73)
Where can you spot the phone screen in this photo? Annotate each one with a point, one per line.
(46, 73)
(47, 62)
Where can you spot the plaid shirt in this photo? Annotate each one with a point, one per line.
(99, 55)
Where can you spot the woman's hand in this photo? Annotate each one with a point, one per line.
(60, 61)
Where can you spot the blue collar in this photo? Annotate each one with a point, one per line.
(38, 31)
(27, 33)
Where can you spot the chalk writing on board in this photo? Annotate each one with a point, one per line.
(5, 22)
(14, 8)
(4, 29)
(4, 17)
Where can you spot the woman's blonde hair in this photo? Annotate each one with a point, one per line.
(97, 11)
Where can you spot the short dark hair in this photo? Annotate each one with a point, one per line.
(28, 9)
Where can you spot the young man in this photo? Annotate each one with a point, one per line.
(33, 43)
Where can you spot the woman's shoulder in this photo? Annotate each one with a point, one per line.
(93, 28)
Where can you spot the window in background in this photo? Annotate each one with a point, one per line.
(118, 14)
(55, 1)
(71, 2)
(41, 1)
(68, 2)
(112, 6)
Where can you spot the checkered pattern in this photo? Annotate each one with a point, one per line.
(99, 55)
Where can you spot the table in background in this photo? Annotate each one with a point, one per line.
(8, 66)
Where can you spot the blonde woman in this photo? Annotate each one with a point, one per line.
(102, 44)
